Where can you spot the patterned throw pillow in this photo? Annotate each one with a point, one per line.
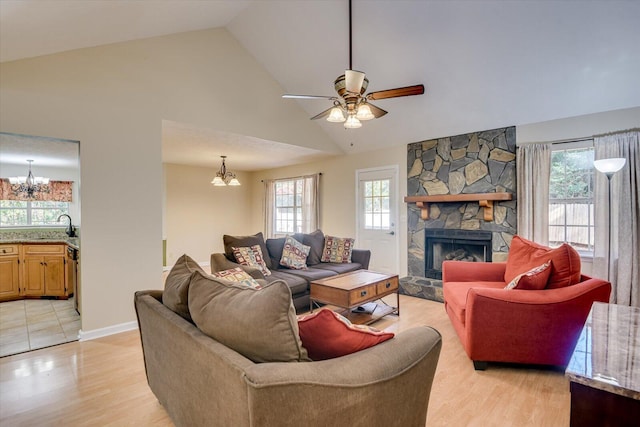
(251, 256)
(294, 254)
(534, 279)
(237, 275)
(326, 334)
(337, 249)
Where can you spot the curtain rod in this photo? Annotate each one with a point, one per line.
(564, 141)
(302, 176)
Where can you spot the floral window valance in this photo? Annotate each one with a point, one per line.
(55, 191)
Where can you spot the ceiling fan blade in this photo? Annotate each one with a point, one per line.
(290, 96)
(377, 111)
(322, 115)
(353, 80)
(398, 92)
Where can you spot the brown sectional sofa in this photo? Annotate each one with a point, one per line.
(297, 280)
(202, 382)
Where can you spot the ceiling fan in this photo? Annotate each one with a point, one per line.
(352, 106)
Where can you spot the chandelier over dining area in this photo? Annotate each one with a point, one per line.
(224, 177)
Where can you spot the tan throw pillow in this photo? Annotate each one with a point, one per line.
(251, 256)
(259, 324)
(535, 279)
(237, 275)
(294, 254)
(176, 286)
(337, 249)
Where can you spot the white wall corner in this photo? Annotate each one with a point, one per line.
(109, 330)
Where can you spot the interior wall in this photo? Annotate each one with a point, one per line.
(199, 214)
(338, 192)
(113, 99)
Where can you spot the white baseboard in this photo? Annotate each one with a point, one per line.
(109, 330)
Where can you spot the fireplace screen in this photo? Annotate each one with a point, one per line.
(456, 245)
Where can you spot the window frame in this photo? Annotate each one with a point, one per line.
(590, 201)
(30, 210)
(298, 190)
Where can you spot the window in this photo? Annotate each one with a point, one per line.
(293, 205)
(23, 213)
(571, 212)
(376, 205)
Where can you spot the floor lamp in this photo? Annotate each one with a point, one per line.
(609, 167)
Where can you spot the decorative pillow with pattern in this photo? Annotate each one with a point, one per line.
(337, 249)
(326, 334)
(251, 256)
(237, 275)
(534, 279)
(294, 254)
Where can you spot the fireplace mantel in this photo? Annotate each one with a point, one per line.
(485, 200)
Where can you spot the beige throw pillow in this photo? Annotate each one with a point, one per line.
(259, 324)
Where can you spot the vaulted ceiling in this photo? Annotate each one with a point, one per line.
(484, 64)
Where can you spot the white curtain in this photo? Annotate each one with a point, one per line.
(533, 168)
(623, 268)
(310, 220)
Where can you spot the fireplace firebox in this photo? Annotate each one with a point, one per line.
(458, 245)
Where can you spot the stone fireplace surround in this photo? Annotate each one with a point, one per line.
(479, 162)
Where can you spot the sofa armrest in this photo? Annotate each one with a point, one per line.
(395, 374)
(539, 326)
(219, 262)
(361, 256)
(461, 271)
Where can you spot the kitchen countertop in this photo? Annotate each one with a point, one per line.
(38, 236)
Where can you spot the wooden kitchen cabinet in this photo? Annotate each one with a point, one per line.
(10, 277)
(44, 271)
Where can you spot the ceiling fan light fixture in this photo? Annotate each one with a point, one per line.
(336, 115)
(352, 122)
(353, 81)
(364, 112)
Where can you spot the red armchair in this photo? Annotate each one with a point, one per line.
(513, 325)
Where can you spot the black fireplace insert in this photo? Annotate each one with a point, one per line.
(458, 245)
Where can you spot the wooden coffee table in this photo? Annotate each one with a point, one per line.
(355, 289)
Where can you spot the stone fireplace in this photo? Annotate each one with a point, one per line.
(471, 181)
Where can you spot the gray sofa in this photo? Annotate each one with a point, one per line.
(297, 280)
(201, 382)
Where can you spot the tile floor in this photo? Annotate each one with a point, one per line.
(31, 324)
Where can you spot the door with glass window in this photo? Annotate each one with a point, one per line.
(377, 217)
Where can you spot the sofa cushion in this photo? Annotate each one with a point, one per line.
(275, 248)
(245, 241)
(237, 275)
(294, 254)
(312, 273)
(337, 249)
(339, 268)
(525, 255)
(251, 256)
(260, 324)
(326, 334)
(534, 279)
(455, 294)
(315, 241)
(176, 286)
(296, 284)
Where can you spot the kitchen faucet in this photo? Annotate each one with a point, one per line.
(71, 230)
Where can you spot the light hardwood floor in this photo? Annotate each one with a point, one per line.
(102, 383)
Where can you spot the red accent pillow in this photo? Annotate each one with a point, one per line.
(326, 334)
(525, 255)
(535, 279)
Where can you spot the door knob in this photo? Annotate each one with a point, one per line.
(392, 233)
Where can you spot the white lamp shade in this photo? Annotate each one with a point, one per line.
(609, 166)
(352, 122)
(336, 115)
(234, 182)
(218, 182)
(364, 112)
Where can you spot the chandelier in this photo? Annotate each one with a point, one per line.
(29, 184)
(224, 178)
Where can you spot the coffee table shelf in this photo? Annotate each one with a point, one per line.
(350, 290)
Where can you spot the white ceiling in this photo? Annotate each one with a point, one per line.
(52, 152)
(485, 64)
